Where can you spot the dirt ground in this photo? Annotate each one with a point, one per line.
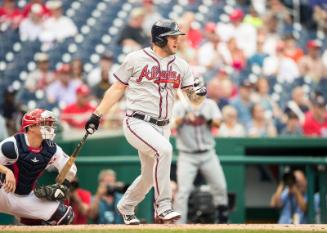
(307, 227)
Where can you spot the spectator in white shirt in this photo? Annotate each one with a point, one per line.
(311, 65)
(41, 77)
(230, 127)
(281, 66)
(210, 51)
(63, 90)
(245, 34)
(58, 27)
(104, 71)
(31, 27)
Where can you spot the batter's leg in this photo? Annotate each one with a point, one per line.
(147, 139)
(139, 188)
(214, 174)
(186, 171)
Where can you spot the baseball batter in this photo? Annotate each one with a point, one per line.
(23, 158)
(150, 78)
(196, 147)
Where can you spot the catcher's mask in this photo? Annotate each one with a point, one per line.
(45, 119)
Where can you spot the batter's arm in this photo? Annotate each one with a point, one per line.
(194, 95)
(111, 96)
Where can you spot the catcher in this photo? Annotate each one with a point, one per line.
(23, 159)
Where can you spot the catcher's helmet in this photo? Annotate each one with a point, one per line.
(38, 116)
(43, 118)
(163, 28)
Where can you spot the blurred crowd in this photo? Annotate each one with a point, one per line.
(267, 78)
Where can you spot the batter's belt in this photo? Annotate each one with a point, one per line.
(195, 151)
(149, 119)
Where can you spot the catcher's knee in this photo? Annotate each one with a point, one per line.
(64, 215)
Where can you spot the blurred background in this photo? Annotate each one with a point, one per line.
(264, 63)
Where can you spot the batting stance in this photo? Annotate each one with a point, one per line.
(196, 147)
(150, 77)
(23, 158)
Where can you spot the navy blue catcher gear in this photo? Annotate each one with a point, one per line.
(163, 28)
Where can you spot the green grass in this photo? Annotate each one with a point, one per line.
(169, 231)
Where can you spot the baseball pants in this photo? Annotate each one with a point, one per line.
(155, 153)
(26, 206)
(187, 168)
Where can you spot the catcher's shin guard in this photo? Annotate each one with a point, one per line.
(64, 215)
(32, 222)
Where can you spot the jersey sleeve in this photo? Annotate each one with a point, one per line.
(211, 110)
(215, 111)
(125, 70)
(8, 151)
(59, 160)
(178, 110)
(188, 78)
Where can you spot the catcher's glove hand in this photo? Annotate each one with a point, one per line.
(53, 192)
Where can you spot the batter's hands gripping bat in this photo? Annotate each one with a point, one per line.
(62, 175)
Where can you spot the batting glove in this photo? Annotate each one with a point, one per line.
(93, 123)
(199, 87)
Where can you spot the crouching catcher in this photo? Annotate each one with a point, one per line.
(23, 159)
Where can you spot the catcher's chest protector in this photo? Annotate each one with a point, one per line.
(29, 165)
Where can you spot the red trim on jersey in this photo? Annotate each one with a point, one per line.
(170, 62)
(120, 80)
(160, 100)
(166, 103)
(156, 153)
(16, 172)
(35, 150)
(156, 176)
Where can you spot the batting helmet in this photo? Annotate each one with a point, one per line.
(163, 28)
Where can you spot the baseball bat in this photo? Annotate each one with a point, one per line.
(62, 174)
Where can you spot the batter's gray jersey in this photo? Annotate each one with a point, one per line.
(196, 135)
(153, 81)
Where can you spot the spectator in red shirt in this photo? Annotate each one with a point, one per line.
(193, 34)
(80, 201)
(315, 122)
(10, 13)
(76, 114)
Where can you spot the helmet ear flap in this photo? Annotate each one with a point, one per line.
(161, 41)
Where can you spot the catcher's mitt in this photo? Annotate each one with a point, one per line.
(53, 192)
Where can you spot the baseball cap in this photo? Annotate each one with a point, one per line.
(53, 4)
(137, 12)
(319, 100)
(40, 57)
(210, 27)
(36, 9)
(245, 83)
(83, 90)
(107, 55)
(236, 15)
(313, 44)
